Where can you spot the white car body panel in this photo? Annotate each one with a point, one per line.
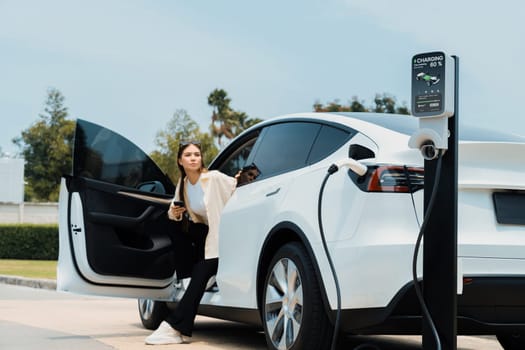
(492, 165)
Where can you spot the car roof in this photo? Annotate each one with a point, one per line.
(373, 124)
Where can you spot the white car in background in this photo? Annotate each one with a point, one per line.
(116, 240)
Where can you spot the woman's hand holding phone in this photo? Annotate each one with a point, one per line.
(176, 210)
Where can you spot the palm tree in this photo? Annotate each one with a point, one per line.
(219, 100)
(230, 122)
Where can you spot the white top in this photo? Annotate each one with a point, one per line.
(218, 188)
(196, 198)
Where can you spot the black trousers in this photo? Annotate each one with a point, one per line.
(183, 317)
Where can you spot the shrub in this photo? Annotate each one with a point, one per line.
(29, 242)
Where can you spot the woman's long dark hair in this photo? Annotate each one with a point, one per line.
(182, 194)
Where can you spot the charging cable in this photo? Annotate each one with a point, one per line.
(422, 229)
(407, 176)
(333, 168)
(361, 170)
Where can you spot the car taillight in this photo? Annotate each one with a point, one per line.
(395, 178)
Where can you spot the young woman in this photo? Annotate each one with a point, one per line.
(201, 194)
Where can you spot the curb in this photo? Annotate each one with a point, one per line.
(29, 282)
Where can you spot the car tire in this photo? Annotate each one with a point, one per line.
(292, 307)
(152, 312)
(510, 341)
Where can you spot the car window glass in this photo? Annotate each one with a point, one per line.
(238, 158)
(328, 140)
(285, 147)
(104, 155)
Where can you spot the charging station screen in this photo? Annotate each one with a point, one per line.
(429, 103)
(428, 84)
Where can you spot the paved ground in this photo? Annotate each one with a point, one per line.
(40, 318)
(20, 337)
(66, 321)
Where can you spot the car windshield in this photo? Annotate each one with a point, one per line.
(407, 125)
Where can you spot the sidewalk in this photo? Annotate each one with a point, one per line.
(29, 282)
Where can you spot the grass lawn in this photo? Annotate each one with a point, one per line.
(29, 268)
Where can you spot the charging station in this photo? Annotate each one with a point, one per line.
(435, 104)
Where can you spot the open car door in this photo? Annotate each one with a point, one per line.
(115, 237)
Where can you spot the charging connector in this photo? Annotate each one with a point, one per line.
(354, 165)
(429, 151)
(431, 137)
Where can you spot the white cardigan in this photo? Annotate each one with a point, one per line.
(217, 188)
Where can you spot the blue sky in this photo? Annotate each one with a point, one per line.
(129, 65)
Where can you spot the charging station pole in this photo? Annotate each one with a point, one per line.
(440, 240)
(435, 81)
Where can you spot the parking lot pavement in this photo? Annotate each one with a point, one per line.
(82, 322)
(56, 317)
(17, 336)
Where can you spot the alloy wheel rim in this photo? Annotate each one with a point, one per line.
(146, 308)
(284, 304)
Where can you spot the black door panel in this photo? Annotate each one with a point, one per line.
(127, 236)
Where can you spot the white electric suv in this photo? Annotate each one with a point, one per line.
(116, 239)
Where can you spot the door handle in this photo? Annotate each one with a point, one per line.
(272, 193)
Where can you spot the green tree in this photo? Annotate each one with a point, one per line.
(239, 121)
(387, 104)
(46, 147)
(353, 106)
(224, 120)
(244, 122)
(357, 106)
(403, 109)
(181, 127)
(220, 102)
(384, 103)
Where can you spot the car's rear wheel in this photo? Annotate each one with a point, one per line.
(510, 341)
(152, 312)
(293, 312)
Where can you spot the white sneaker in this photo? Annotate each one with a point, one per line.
(165, 334)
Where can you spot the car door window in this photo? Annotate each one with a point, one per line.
(104, 155)
(237, 160)
(328, 140)
(285, 147)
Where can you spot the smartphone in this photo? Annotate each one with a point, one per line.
(178, 203)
